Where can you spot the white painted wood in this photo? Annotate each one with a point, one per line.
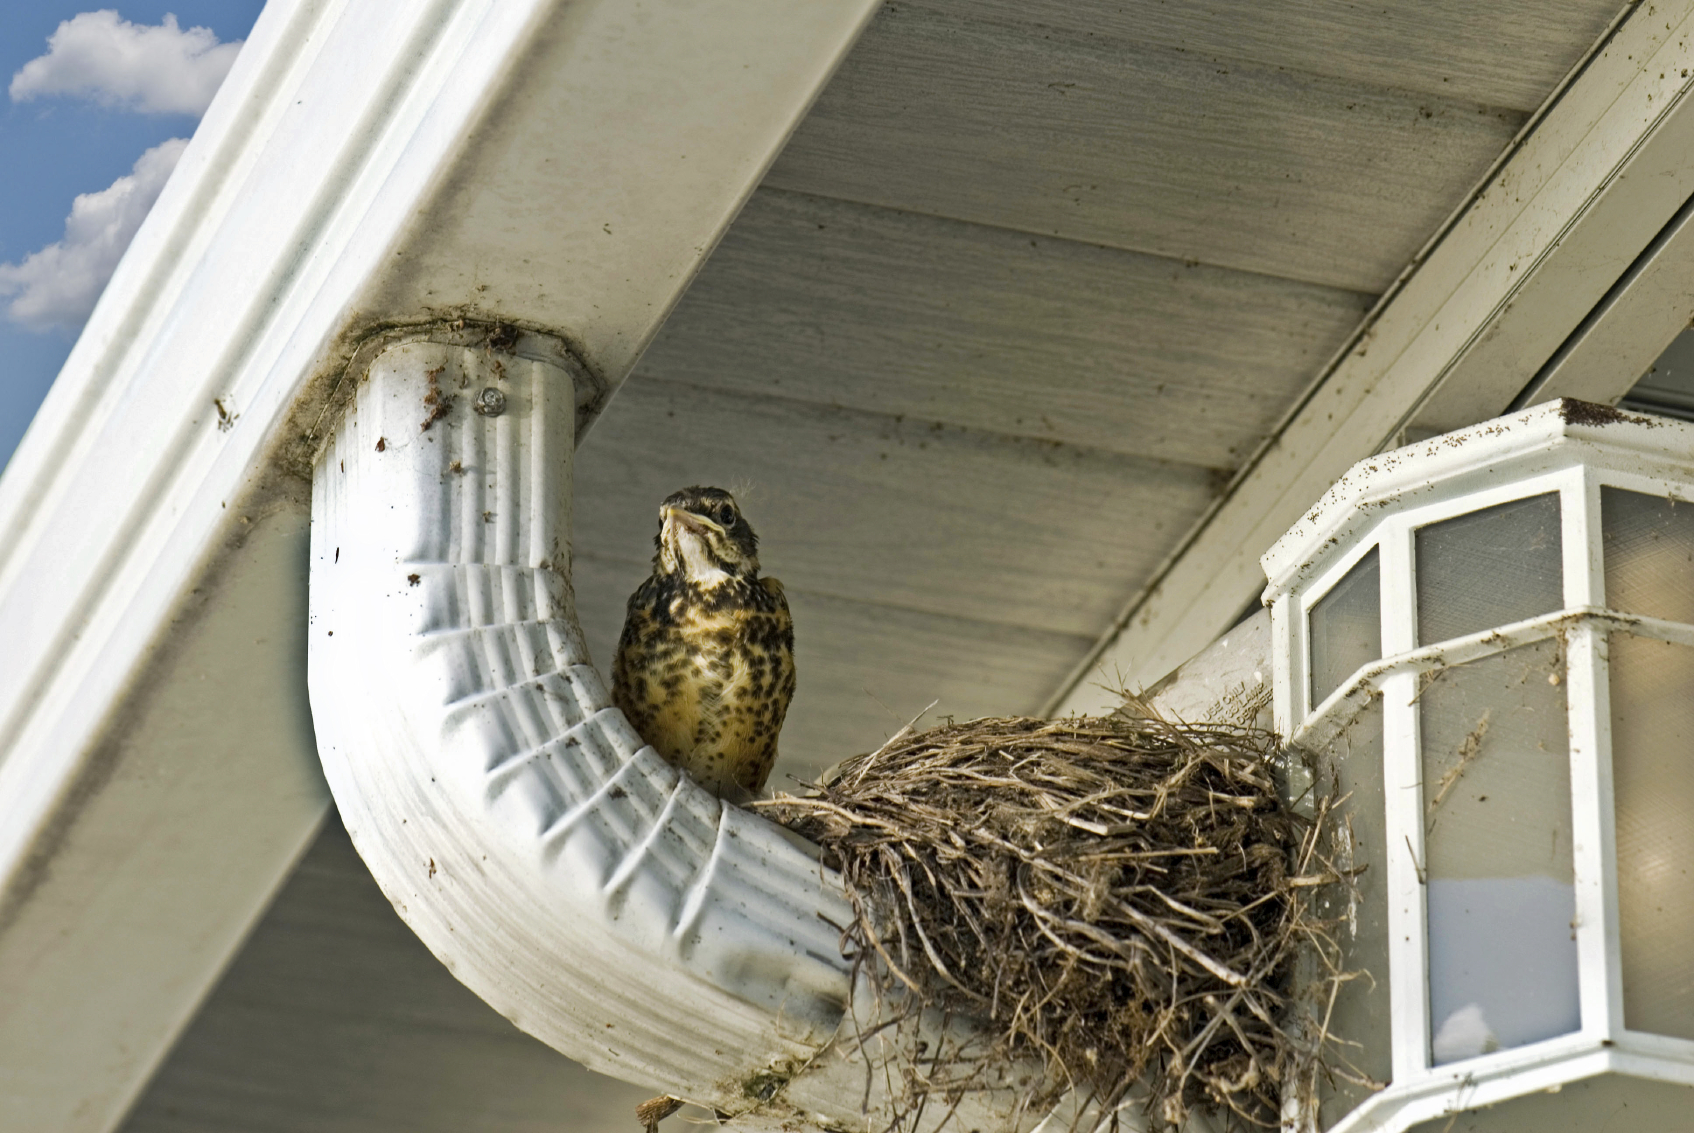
(837, 303)
(201, 793)
(609, 159)
(1231, 681)
(1408, 978)
(112, 517)
(1606, 203)
(1506, 54)
(1463, 650)
(909, 513)
(1529, 451)
(1403, 821)
(1593, 837)
(1075, 134)
(1594, 812)
(1593, 184)
(302, 202)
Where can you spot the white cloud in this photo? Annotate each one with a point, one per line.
(156, 70)
(57, 286)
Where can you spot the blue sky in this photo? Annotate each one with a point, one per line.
(116, 87)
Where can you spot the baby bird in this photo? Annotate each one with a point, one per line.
(705, 666)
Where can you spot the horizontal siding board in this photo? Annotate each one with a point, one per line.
(1153, 149)
(1507, 53)
(840, 303)
(865, 670)
(898, 512)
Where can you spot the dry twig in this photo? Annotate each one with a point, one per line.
(1122, 899)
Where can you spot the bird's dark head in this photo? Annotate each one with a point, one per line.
(704, 537)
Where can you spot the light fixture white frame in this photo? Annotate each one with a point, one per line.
(1561, 447)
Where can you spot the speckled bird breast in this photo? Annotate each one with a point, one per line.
(706, 674)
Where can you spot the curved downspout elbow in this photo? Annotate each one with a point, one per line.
(594, 895)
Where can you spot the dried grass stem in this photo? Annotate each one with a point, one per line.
(1121, 898)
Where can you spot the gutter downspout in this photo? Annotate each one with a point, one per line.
(559, 867)
(594, 895)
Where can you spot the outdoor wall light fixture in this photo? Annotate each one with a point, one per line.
(1488, 638)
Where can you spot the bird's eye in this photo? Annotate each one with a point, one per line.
(726, 515)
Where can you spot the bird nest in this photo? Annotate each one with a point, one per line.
(1121, 899)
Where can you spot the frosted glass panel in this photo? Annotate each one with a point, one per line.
(1497, 815)
(1649, 543)
(1498, 565)
(1360, 1018)
(1346, 627)
(1653, 783)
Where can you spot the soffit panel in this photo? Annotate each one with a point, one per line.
(1506, 54)
(1247, 165)
(336, 1019)
(911, 514)
(827, 301)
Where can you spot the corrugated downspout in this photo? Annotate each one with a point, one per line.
(598, 898)
(571, 877)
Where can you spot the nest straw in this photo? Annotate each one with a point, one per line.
(1121, 898)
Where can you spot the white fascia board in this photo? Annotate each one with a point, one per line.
(167, 845)
(155, 510)
(598, 192)
(1596, 178)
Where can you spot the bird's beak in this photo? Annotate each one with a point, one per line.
(689, 521)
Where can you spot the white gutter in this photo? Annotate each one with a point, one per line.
(594, 895)
(598, 898)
